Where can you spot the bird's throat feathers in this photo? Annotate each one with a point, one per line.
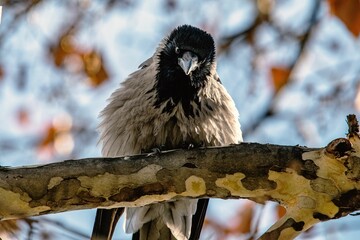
(173, 85)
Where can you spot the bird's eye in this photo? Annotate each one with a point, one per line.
(177, 50)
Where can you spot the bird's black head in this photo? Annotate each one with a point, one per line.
(185, 62)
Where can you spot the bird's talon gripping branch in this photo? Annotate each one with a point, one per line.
(154, 151)
(191, 146)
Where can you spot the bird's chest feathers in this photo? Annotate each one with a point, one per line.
(174, 89)
(189, 112)
(192, 122)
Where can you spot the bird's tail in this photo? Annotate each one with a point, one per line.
(105, 223)
(169, 221)
(198, 218)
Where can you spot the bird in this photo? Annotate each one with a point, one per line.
(174, 100)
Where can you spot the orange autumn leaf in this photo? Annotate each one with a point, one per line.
(62, 49)
(10, 226)
(240, 224)
(94, 68)
(56, 137)
(99, 78)
(58, 55)
(2, 72)
(92, 64)
(22, 116)
(67, 43)
(348, 11)
(280, 77)
(217, 227)
(280, 211)
(48, 137)
(244, 219)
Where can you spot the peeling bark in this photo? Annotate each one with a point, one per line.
(313, 184)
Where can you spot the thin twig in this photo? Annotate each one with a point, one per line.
(303, 43)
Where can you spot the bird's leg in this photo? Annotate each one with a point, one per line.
(191, 145)
(154, 151)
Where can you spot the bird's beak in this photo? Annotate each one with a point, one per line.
(188, 62)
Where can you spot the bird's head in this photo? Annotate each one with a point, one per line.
(189, 53)
(185, 63)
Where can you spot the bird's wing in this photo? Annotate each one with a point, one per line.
(124, 124)
(146, 63)
(119, 130)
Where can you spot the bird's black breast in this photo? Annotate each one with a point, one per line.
(173, 87)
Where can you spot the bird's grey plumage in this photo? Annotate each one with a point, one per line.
(136, 121)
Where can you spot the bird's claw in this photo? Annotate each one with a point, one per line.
(190, 146)
(154, 152)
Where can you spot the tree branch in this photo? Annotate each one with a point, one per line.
(313, 184)
(303, 42)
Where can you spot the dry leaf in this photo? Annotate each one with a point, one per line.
(348, 11)
(92, 61)
(22, 116)
(2, 72)
(244, 219)
(62, 49)
(280, 77)
(9, 226)
(94, 68)
(48, 137)
(240, 224)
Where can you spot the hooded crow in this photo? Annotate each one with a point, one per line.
(174, 100)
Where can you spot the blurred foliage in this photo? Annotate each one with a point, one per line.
(280, 77)
(90, 62)
(241, 224)
(293, 76)
(348, 12)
